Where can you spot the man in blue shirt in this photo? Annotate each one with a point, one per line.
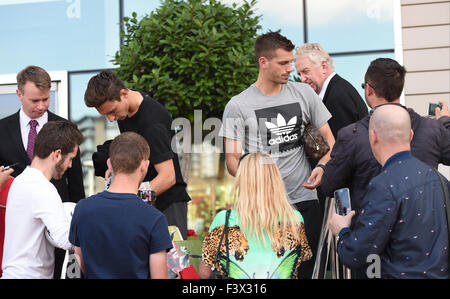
(403, 217)
(115, 233)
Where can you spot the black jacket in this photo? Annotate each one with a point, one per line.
(400, 223)
(70, 187)
(353, 165)
(344, 103)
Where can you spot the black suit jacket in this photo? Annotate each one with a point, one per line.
(344, 103)
(70, 187)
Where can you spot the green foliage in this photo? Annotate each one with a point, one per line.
(190, 54)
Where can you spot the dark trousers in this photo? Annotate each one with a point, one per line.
(176, 214)
(59, 260)
(312, 216)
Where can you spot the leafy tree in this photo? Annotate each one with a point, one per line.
(190, 54)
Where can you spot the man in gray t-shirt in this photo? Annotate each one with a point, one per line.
(274, 124)
(270, 116)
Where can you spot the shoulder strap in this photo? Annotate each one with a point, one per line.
(447, 205)
(224, 232)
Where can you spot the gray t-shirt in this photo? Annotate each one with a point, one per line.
(275, 124)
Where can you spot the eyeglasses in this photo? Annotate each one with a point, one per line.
(363, 85)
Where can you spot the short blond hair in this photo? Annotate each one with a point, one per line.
(315, 53)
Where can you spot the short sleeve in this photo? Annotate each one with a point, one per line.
(218, 220)
(232, 123)
(160, 238)
(159, 140)
(318, 111)
(73, 236)
(210, 243)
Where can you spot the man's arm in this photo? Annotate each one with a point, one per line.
(442, 112)
(338, 170)
(370, 232)
(233, 151)
(48, 208)
(316, 175)
(203, 270)
(165, 178)
(79, 257)
(158, 265)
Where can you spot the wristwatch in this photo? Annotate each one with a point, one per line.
(321, 166)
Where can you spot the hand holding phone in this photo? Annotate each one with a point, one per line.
(342, 200)
(5, 174)
(432, 108)
(10, 166)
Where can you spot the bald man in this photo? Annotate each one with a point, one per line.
(402, 221)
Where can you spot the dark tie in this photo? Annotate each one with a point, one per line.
(31, 137)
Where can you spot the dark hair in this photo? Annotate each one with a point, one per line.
(105, 86)
(35, 74)
(56, 135)
(267, 44)
(387, 77)
(127, 151)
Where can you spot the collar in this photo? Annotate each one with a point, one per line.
(396, 158)
(397, 104)
(25, 120)
(325, 85)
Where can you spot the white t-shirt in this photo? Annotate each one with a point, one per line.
(33, 205)
(275, 124)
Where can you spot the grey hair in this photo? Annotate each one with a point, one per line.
(316, 54)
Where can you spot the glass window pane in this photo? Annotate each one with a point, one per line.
(10, 103)
(78, 84)
(353, 68)
(58, 35)
(95, 128)
(351, 25)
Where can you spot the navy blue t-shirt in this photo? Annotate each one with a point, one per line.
(116, 233)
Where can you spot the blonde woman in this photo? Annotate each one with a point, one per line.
(266, 236)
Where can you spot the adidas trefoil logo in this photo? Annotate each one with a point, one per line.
(282, 130)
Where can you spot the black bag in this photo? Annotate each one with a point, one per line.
(100, 157)
(216, 274)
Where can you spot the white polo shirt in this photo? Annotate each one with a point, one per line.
(33, 205)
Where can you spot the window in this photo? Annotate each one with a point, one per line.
(351, 25)
(58, 35)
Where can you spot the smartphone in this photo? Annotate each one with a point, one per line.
(10, 166)
(342, 201)
(432, 108)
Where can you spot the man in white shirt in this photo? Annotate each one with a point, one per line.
(35, 206)
(315, 67)
(34, 92)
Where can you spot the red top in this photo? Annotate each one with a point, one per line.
(3, 196)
